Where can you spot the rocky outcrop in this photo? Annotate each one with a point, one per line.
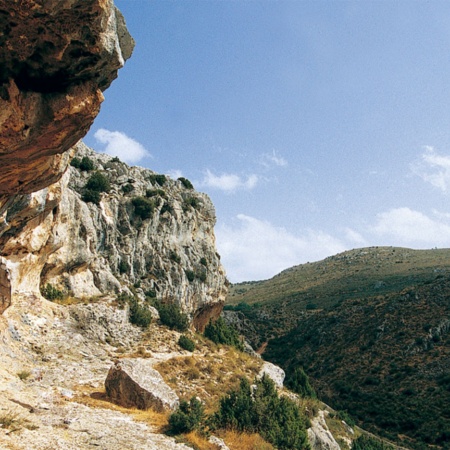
(57, 58)
(104, 247)
(133, 383)
(275, 373)
(87, 249)
(319, 436)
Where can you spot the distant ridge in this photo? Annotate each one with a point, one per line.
(371, 327)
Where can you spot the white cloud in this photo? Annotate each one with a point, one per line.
(271, 159)
(175, 174)
(412, 228)
(228, 182)
(252, 249)
(120, 145)
(433, 168)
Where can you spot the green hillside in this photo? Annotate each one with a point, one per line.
(371, 327)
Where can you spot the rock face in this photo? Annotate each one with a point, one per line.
(57, 57)
(319, 436)
(87, 249)
(133, 383)
(275, 373)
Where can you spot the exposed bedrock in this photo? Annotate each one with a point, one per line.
(57, 58)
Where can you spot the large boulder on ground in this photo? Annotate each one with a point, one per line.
(133, 383)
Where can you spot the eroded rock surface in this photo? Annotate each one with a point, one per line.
(57, 58)
(319, 436)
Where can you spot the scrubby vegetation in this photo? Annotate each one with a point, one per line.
(186, 183)
(260, 409)
(185, 343)
(188, 417)
(51, 293)
(297, 381)
(158, 179)
(365, 442)
(96, 184)
(127, 188)
(143, 207)
(220, 333)
(140, 315)
(85, 164)
(171, 315)
(375, 344)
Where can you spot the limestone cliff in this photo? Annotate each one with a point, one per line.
(167, 251)
(87, 249)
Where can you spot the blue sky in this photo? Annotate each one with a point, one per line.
(314, 126)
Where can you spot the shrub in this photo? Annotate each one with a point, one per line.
(261, 410)
(143, 207)
(139, 315)
(190, 202)
(124, 267)
(86, 164)
(186, 343)
(188, 417)
(98, 182)
(24, 374)
(151, 293)
(76, 162)
(158, 179)
(220, 333)
(369, 443)
(190, 275)
(155, 192)
(171, 315)
(186, 183)
(51, 293)
(91, 196)
(115, 159)
(203, 261)
(126, 188)
(298, 382)
(175, 257)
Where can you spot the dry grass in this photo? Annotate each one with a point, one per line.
(12, 421)
(98, 399)
(210, 375)
(198, 441)
(244, 441)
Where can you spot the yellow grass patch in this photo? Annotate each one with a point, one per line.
(244, 441)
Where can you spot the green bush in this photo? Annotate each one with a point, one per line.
(220, 333)
(155, 193)
(203, 261)
(124, 267)
(143, 207)
(186, 183)
(298, 382)
(190, 275)
(76, 162)
(98, 182)
(186, 343)
(190, 202)
(369, 443)
(175, 257)
(260, 410)
(139, 315)
(171, 315)
(126, 188)
(86, 164)
(188, 417)
(51, 293)
(158, 179)
(91, 196)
